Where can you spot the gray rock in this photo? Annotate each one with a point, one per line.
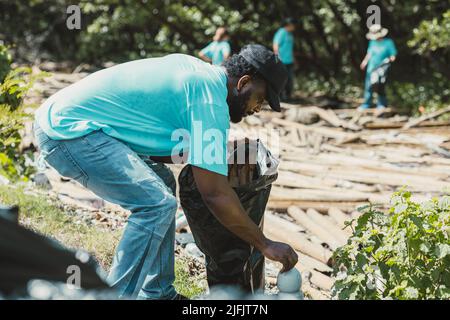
(41, 180)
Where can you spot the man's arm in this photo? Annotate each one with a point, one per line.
(276, 48)
(205, 53)
(365, 61)
(204, 57)
(276, 42)
(223, 202)
(393, 51)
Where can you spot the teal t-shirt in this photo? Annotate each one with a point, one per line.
(380, 50)
(157, 106)
(216, 51)
(285, 41)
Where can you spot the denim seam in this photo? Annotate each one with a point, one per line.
(66, 151)
(141, 260)
(44, 139)
(94, 147)
(156, 179)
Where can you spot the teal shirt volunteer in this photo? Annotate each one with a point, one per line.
(380, 50)
(157, 106)
(285, 41)
(216, 51)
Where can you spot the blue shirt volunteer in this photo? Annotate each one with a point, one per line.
(150, 105)
(285, 41)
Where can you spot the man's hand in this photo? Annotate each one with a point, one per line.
(281, 252)
(365, 62)
(275, 48)
(204, 57)
(363, 65)
(224, 204)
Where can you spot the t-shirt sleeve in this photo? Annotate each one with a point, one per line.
(278, 38)
(209, 126)
(392, 48)
(226, 49)
(369, 48)
(207, 51)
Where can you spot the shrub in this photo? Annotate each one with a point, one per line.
(14, 85)
(402, 255)
(5, 62)
(13, 164)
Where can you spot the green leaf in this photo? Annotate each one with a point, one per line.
(442, 250)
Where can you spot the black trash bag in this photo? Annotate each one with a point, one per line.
(26, 256)
(378, 77)
(230, 260)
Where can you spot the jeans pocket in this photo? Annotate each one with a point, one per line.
(61, 160)
(40, 137)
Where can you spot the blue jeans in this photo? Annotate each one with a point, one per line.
(143, 265)
(368, 94)
(287, 90)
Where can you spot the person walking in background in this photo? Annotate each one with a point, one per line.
(219, 50)
(283, 46)
(380, 54)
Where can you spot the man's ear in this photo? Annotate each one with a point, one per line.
(243, 81)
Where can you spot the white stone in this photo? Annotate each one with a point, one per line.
(290, 281)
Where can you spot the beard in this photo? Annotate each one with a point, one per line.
(237, 104)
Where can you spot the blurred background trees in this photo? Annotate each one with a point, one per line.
(330, 37)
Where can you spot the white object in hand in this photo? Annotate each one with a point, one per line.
(289, 281)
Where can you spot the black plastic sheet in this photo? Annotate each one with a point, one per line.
(26, 256)
(230, 260)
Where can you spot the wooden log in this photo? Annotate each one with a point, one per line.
(318, 279)
(342, 160)
(283, 205)
(398, 125)
(282, 223)
(356, 214)
(313, 292)
(294, 138)
(322, 281)
(326, 132)
(340, 218)
(336, 194)
(301, 217)
(332, 228)
(368, 176)
(296, 180)
(312, 263)
(298, 241)
(432, 115)
(398, 154)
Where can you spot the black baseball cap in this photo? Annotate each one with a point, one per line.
(289, 20)
(270, 67)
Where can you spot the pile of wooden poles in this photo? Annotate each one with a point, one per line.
(334, 161)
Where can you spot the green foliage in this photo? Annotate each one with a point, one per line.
(45, 216)
(402, 255)
(431, 94)
(329, 40)
(5, 62)
(432, 35)
(14, 164)
(15, 85)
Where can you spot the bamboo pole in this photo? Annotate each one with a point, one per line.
(313, 227)
(340, 236)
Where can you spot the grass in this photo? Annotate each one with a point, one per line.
(44, 216)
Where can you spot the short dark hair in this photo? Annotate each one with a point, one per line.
(288, 21)
(238, 67)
